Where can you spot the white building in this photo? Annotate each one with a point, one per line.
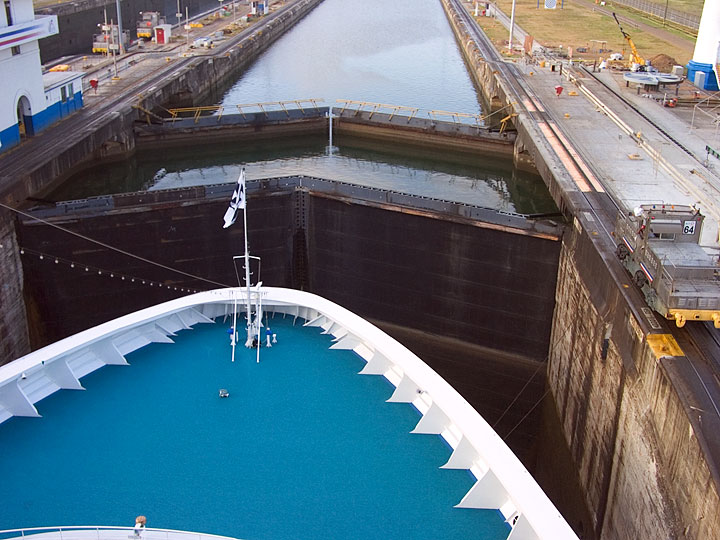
(706, 58)
(23, 104)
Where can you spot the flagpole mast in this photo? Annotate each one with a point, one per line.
(259, 320)
(248, 343)
(233, 337)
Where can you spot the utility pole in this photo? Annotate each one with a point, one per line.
(120, 39)
(105, 35)
(512, 27)
(112, 46)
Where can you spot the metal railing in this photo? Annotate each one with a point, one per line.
(266, 107)
(710, 112)
(393, 110)
(297, 102)
(360, 105)
(102, 532)
(661, 10)
(196, 112)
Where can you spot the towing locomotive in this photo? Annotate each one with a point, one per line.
(659, 245)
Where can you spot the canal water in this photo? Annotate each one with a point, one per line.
(465, 178)
(399, 52)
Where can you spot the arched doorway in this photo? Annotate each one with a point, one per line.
(24, 117)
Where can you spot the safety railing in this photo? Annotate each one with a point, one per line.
(196, 112)
(245, 108)
(359, 106)
(408, 113)
(101, 532)
(705, 107)
(312, 102)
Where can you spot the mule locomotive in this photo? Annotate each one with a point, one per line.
(659, 246)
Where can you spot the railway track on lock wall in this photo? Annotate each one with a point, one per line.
(697, 377)
(53, 141)
(586, 178)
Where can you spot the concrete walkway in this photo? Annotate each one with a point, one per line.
(639, 159)
(640, 150)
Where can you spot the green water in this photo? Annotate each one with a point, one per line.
(466, 178)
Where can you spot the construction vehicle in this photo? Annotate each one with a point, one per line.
(637, 62)
(147, 23)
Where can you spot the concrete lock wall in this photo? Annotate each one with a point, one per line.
(460, 280)
(481, 72)
(14, 340)
(183, 234)
(111, 140)
(642, 470)
(78, 21)
(471, 283)
(207, 75)
(113, 137)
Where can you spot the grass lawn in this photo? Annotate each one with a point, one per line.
(575, 26)
(688, 6)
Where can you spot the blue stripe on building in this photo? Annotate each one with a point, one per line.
(36, 123)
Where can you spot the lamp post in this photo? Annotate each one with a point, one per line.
(512, 27)
(121, 46)
(187, 26)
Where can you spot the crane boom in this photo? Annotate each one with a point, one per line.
(635, 56)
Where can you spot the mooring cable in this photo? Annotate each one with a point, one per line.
(113, 248)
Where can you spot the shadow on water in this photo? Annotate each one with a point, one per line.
(462, 177)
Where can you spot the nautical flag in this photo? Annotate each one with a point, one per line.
(237, 202)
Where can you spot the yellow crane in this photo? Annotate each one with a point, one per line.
(635, 57)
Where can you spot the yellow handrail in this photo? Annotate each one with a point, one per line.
(395, 108)
(281, 104)
(197, 112)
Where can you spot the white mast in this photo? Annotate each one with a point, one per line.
(248, 343)
(239, 200)
(233, 337)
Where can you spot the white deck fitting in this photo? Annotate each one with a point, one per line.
(61, 374)
(433, 422)
(405, 392)
(346, 342)
(463, 456)
(503, 483)
(105, 533)
(376, 365)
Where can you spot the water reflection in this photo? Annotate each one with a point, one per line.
(467, 178)
(401, 53)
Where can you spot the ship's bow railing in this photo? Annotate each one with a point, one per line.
(102, 532)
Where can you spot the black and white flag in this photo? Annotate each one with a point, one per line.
(237, 202)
